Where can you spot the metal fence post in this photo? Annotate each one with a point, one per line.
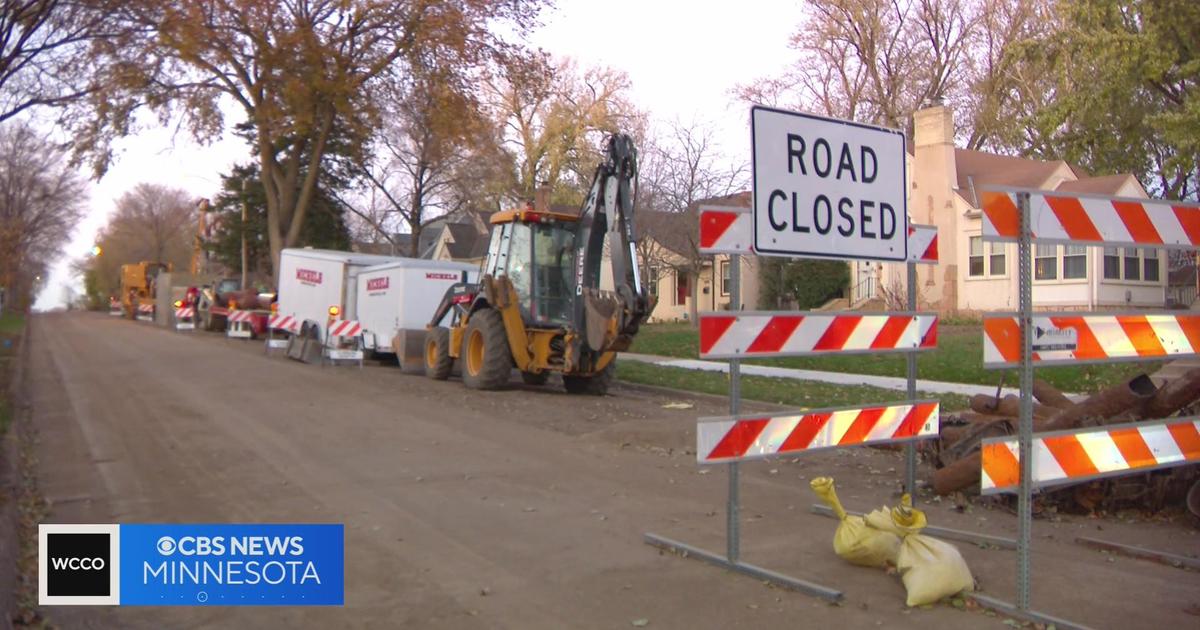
(1025, 421)
(910, 449)
(732, 535)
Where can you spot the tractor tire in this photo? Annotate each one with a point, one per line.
(438, 361)
(486, 358)
(535, 378)
(593, 385)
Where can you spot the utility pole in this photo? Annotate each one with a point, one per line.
(245, 208)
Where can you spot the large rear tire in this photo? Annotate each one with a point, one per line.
(593, 385)
(486, 357)
(438, 361)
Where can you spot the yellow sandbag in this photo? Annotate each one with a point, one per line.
(931, 569)
(854, 541)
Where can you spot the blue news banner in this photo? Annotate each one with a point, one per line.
(231, 565)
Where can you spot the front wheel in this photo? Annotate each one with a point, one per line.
(437, 353)
(592, 385)
(486, 357)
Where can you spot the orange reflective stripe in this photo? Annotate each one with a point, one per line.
(1189, 218)
(1074, 218)
(1070, 455)
(1187, 438)
(1134, 216)
(1001, 465)
(1141, 334)
(1002, 213)
(1133, 447)
(1191, 329)
(1005, 334)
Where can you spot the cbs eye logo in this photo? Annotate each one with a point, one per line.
(77, 564)
(165, 545)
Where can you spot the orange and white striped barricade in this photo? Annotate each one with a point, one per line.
(1092, 338)
(750, 334)
(721, 440)
(1024, 340)
(145, 312)
(1091, 219)
(238, 325)
(730, 230)
(343, 342)
(185, 318)
(114, 308)
(287, 324)
(1072, 456)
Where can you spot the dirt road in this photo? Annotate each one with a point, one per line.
(516, 509)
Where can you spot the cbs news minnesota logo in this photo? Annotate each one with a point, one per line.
(178, 564)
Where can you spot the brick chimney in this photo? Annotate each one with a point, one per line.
(932, 198)
(541, 198)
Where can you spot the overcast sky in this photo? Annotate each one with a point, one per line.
(682, 58)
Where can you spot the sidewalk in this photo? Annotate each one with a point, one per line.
(837, 378)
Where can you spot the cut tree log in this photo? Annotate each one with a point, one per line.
(1009, 406)
(1049, 395)
(1117, 400)
(1174, 396)
(1104, 404)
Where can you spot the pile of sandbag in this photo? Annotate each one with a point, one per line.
(930, 569)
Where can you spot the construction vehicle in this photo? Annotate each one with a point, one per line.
(538, 305)
(138, 286)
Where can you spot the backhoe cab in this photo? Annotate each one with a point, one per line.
(538, 305)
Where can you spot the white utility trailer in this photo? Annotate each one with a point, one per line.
(395, 300)
(317, 285)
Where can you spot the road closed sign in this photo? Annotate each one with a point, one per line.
(826, 188)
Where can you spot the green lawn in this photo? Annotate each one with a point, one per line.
(957, 359)
(11, 324)
(783, 391)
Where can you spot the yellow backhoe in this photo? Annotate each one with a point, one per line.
(538, 305)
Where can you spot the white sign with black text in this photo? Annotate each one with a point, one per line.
(826, 188)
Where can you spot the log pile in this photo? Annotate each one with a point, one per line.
(957, 455)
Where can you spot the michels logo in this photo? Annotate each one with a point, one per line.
(308, 275)
(441, 276)
(378, 284)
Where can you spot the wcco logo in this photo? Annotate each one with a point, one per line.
(77, 564)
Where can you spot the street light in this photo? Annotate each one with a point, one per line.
(97, 250)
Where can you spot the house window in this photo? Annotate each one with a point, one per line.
(652, 280)
(682, 290)
(1133, 270)
(975, 267)
(1045, 262)
(726, 279)
(1074, 262)
(1150, 265)
(996, 260)
(1112, 263)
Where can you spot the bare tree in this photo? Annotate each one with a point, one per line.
(683, 167)
(151, 222)
(43, 44)
(41, 201)
(552, 119)
(875, 61)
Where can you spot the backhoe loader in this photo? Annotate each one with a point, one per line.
(538, 305)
